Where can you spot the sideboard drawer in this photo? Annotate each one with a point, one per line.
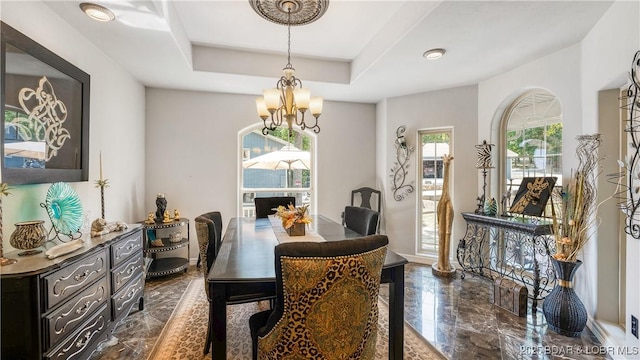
(131, 268)
(72, 313)
(80, 344)
(126, 247)
(62, 308)
(124, 299)
(65, 282)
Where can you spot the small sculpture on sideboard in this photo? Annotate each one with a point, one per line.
(161, 205)
(150, 219)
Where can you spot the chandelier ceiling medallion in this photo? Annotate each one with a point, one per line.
(289, 97)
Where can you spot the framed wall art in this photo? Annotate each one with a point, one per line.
(532, 195)
(44, 105)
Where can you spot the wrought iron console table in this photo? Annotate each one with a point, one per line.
(513, 247)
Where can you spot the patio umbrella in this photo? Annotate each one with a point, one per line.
(287, 158)
(26, 149)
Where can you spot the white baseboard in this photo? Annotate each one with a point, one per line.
(420, 259)
(426, 259)
(611, 336)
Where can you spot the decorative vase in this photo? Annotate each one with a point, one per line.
(491, 207)
(298, 229)
(28, 236)
(562, 308)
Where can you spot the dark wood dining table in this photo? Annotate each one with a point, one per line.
(246, 261)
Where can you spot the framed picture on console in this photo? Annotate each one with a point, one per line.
(44, 107)
(532, 195)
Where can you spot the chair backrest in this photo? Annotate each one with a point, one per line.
(361, 220)
(326, 293)
(265, 205)
(209, 233)
(365, 194)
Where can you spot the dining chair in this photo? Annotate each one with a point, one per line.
(265, 206)
(326, 301)
(215, 229)
(209, 233)
(365, 194)
(362, 197)
(361, 220)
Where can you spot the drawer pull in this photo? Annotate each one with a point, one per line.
(83, 308)
(132, 292)
(83, 340)
(81, 275)
(131, 270)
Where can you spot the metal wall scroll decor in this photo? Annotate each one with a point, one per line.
(631, 203)
(399, 170)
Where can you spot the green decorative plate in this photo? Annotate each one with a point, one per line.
(64, 208)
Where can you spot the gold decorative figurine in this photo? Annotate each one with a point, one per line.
(150, 218)
(157, 243)
(166, 217)
(176, 215)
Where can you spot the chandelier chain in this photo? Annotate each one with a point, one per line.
(288, 101)
(289, 39)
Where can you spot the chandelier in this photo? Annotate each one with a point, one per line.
(283, 103)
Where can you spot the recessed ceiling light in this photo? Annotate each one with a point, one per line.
(433, 54)
(97, 12)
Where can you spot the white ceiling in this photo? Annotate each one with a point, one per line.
(360, 50)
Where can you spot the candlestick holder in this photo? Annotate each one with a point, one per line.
(484, 163)
(102, 183)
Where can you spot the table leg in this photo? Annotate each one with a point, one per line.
(396, 313)
(218, 323)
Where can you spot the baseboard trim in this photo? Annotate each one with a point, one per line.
(426, 259)
(420, 259)
(611, 336)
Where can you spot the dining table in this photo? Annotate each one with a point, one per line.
(245, 262)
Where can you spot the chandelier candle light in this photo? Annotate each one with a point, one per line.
(283, 102)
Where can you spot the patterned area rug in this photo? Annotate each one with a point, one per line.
(184, 334)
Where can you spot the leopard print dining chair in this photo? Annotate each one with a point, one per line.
(326, 301)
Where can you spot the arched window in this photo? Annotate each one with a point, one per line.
(276, 165)
(531, 135)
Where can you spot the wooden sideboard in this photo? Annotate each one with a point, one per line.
(64, 307)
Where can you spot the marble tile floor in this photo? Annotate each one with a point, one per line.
(135, 336)
(453, 314)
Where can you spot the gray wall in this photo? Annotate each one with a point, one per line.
(116, 124)
(456, 108)
(193, 152)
